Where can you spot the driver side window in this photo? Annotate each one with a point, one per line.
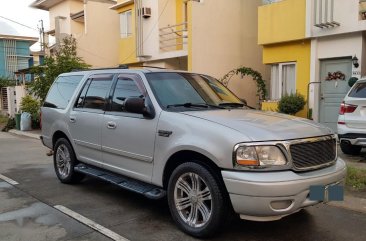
(125, 88)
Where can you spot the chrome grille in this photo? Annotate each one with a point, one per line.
(312, 155)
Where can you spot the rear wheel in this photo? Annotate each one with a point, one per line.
(64, 162)
(196, 200)
(348, 148)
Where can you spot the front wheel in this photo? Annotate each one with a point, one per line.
(64, 160)
(196, 200)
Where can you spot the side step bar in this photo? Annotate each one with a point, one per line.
(146, 189)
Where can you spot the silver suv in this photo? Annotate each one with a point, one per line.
(186, 136)
(352, 119)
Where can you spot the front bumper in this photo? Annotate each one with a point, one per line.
(266, 196)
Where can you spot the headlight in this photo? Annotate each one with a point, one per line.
(260, 156)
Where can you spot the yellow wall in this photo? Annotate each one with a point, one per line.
(190, 51)
(281, 21)
(127, 46)
(297, 51)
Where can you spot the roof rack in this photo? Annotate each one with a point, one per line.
(121, 66)
(153, 67)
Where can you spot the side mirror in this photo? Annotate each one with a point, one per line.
(137, 105)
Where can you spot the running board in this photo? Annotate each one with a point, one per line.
(146, 189)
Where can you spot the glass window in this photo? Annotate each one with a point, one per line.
(125, 88)
(125, 19)
(181, 88)
(283, 80)
(358, 91)
(61, 91)
(94, 93)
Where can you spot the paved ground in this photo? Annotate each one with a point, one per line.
(27, 209)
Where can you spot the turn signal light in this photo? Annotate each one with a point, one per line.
(346, 108)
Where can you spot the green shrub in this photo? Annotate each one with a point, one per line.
(291, 104)
(30, 105)
(356, 178)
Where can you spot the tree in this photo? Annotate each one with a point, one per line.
(4, 82)
(65, 60)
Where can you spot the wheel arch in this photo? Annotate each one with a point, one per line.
(184, 156)
(57, 135)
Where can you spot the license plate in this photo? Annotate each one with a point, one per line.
(332, 192)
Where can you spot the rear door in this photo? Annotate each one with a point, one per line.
(86, 118)
(357, 97)
(127, 138)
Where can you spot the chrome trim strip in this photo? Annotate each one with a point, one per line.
(87, 144)
(127, 154)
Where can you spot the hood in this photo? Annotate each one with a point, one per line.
(263, 126)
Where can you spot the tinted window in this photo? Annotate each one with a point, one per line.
(358, 91)
(181, 88)
(94, 93)
(125, 88)
(61, 91)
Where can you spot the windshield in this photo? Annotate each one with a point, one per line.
(189, 90)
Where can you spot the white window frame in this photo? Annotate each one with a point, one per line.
(125, 23)
(277, 79)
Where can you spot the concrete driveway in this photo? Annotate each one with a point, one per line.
(28, 210)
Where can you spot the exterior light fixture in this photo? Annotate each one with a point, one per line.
(355, 62)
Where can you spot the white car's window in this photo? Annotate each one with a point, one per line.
(358, 91)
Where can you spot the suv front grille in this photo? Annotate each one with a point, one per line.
(312, 155)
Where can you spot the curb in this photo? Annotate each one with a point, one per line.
(351, 203)
(24, 133)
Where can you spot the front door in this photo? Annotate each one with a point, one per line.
(334, 75)
(128, 139)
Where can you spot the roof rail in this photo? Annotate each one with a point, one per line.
(121, 66)
(153, 67)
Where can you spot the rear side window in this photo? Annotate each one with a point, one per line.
(61, 91)
(94, 93)
(358, 91)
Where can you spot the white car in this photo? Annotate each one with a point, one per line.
(352, 119)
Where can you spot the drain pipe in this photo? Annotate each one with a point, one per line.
(307, 99)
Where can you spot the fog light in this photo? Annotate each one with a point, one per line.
(282, 204)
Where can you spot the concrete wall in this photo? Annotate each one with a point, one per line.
(346, 12)
(224, 37)
(281, 21)
(299, 52)
(98, 45)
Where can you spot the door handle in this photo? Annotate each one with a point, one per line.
(72, 119)
(111, 125)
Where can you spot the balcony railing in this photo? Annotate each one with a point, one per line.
(173, 37)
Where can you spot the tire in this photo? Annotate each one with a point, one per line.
(201, 194)
(348, 148)
(64, 161)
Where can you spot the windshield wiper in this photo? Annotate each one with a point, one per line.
(232, 104)
(189, 105)
(235, 104)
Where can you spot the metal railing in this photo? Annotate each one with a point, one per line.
(173, 37)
